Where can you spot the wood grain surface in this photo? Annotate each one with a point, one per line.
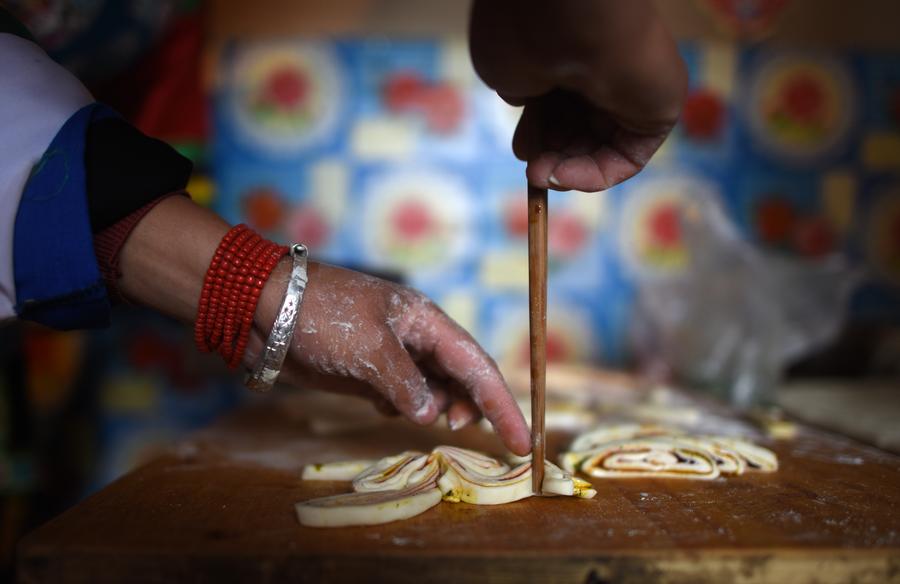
(219, 508)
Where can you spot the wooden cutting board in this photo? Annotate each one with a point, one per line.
(219, 508)
(866, 410)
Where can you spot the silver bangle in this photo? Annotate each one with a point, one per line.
(269, 365)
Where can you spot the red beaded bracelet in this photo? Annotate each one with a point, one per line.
(213, 319)
(264, 268)
(222, 323)
(210, 291)
(242, 294)
(242, 311)
(231, 291)
(237, 273)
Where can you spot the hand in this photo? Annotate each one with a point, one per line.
(354, 334)
(602, 84)
(361, 335)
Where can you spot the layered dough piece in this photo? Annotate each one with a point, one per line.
(640, 450)
(405, 485)
(757, 458)
(468, 480)
(335, 471)
(641, 457)
(393, 488)
(371, 508)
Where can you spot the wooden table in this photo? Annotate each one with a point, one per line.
(219, 508)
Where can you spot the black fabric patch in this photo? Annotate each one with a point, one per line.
(126, 170)
(9, 24)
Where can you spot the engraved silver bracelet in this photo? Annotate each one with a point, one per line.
(269, 365)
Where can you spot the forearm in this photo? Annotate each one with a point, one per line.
(164, 261)
(165, 258)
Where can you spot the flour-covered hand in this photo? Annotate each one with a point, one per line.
(366, 336)
(355, 334)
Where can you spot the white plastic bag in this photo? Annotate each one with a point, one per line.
(736, 315)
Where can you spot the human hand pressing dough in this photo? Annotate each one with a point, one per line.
(354, 334)
(365, 336)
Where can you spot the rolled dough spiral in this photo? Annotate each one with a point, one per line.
(405, 485)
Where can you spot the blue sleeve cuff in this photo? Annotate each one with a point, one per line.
(58, 282)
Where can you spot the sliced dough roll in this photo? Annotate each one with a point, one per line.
(458, 486)
(757, 458)
(627, 450)
(645, 457)
(476, 462)
(335, 471)
(482, 485)
(728, 460)
(401, 486)
(397, 472)
(372, 508)
(606, 434)
(559, 482)
(471, 477)
(394, 488)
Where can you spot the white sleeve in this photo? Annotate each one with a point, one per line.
(37, 96)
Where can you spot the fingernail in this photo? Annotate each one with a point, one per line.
(554, 181)
(425, 409)
(460, 422)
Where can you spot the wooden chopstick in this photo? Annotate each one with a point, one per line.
(537, 318)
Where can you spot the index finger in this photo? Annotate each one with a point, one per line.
(460, 357)
(605, 166)
(570, 144)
